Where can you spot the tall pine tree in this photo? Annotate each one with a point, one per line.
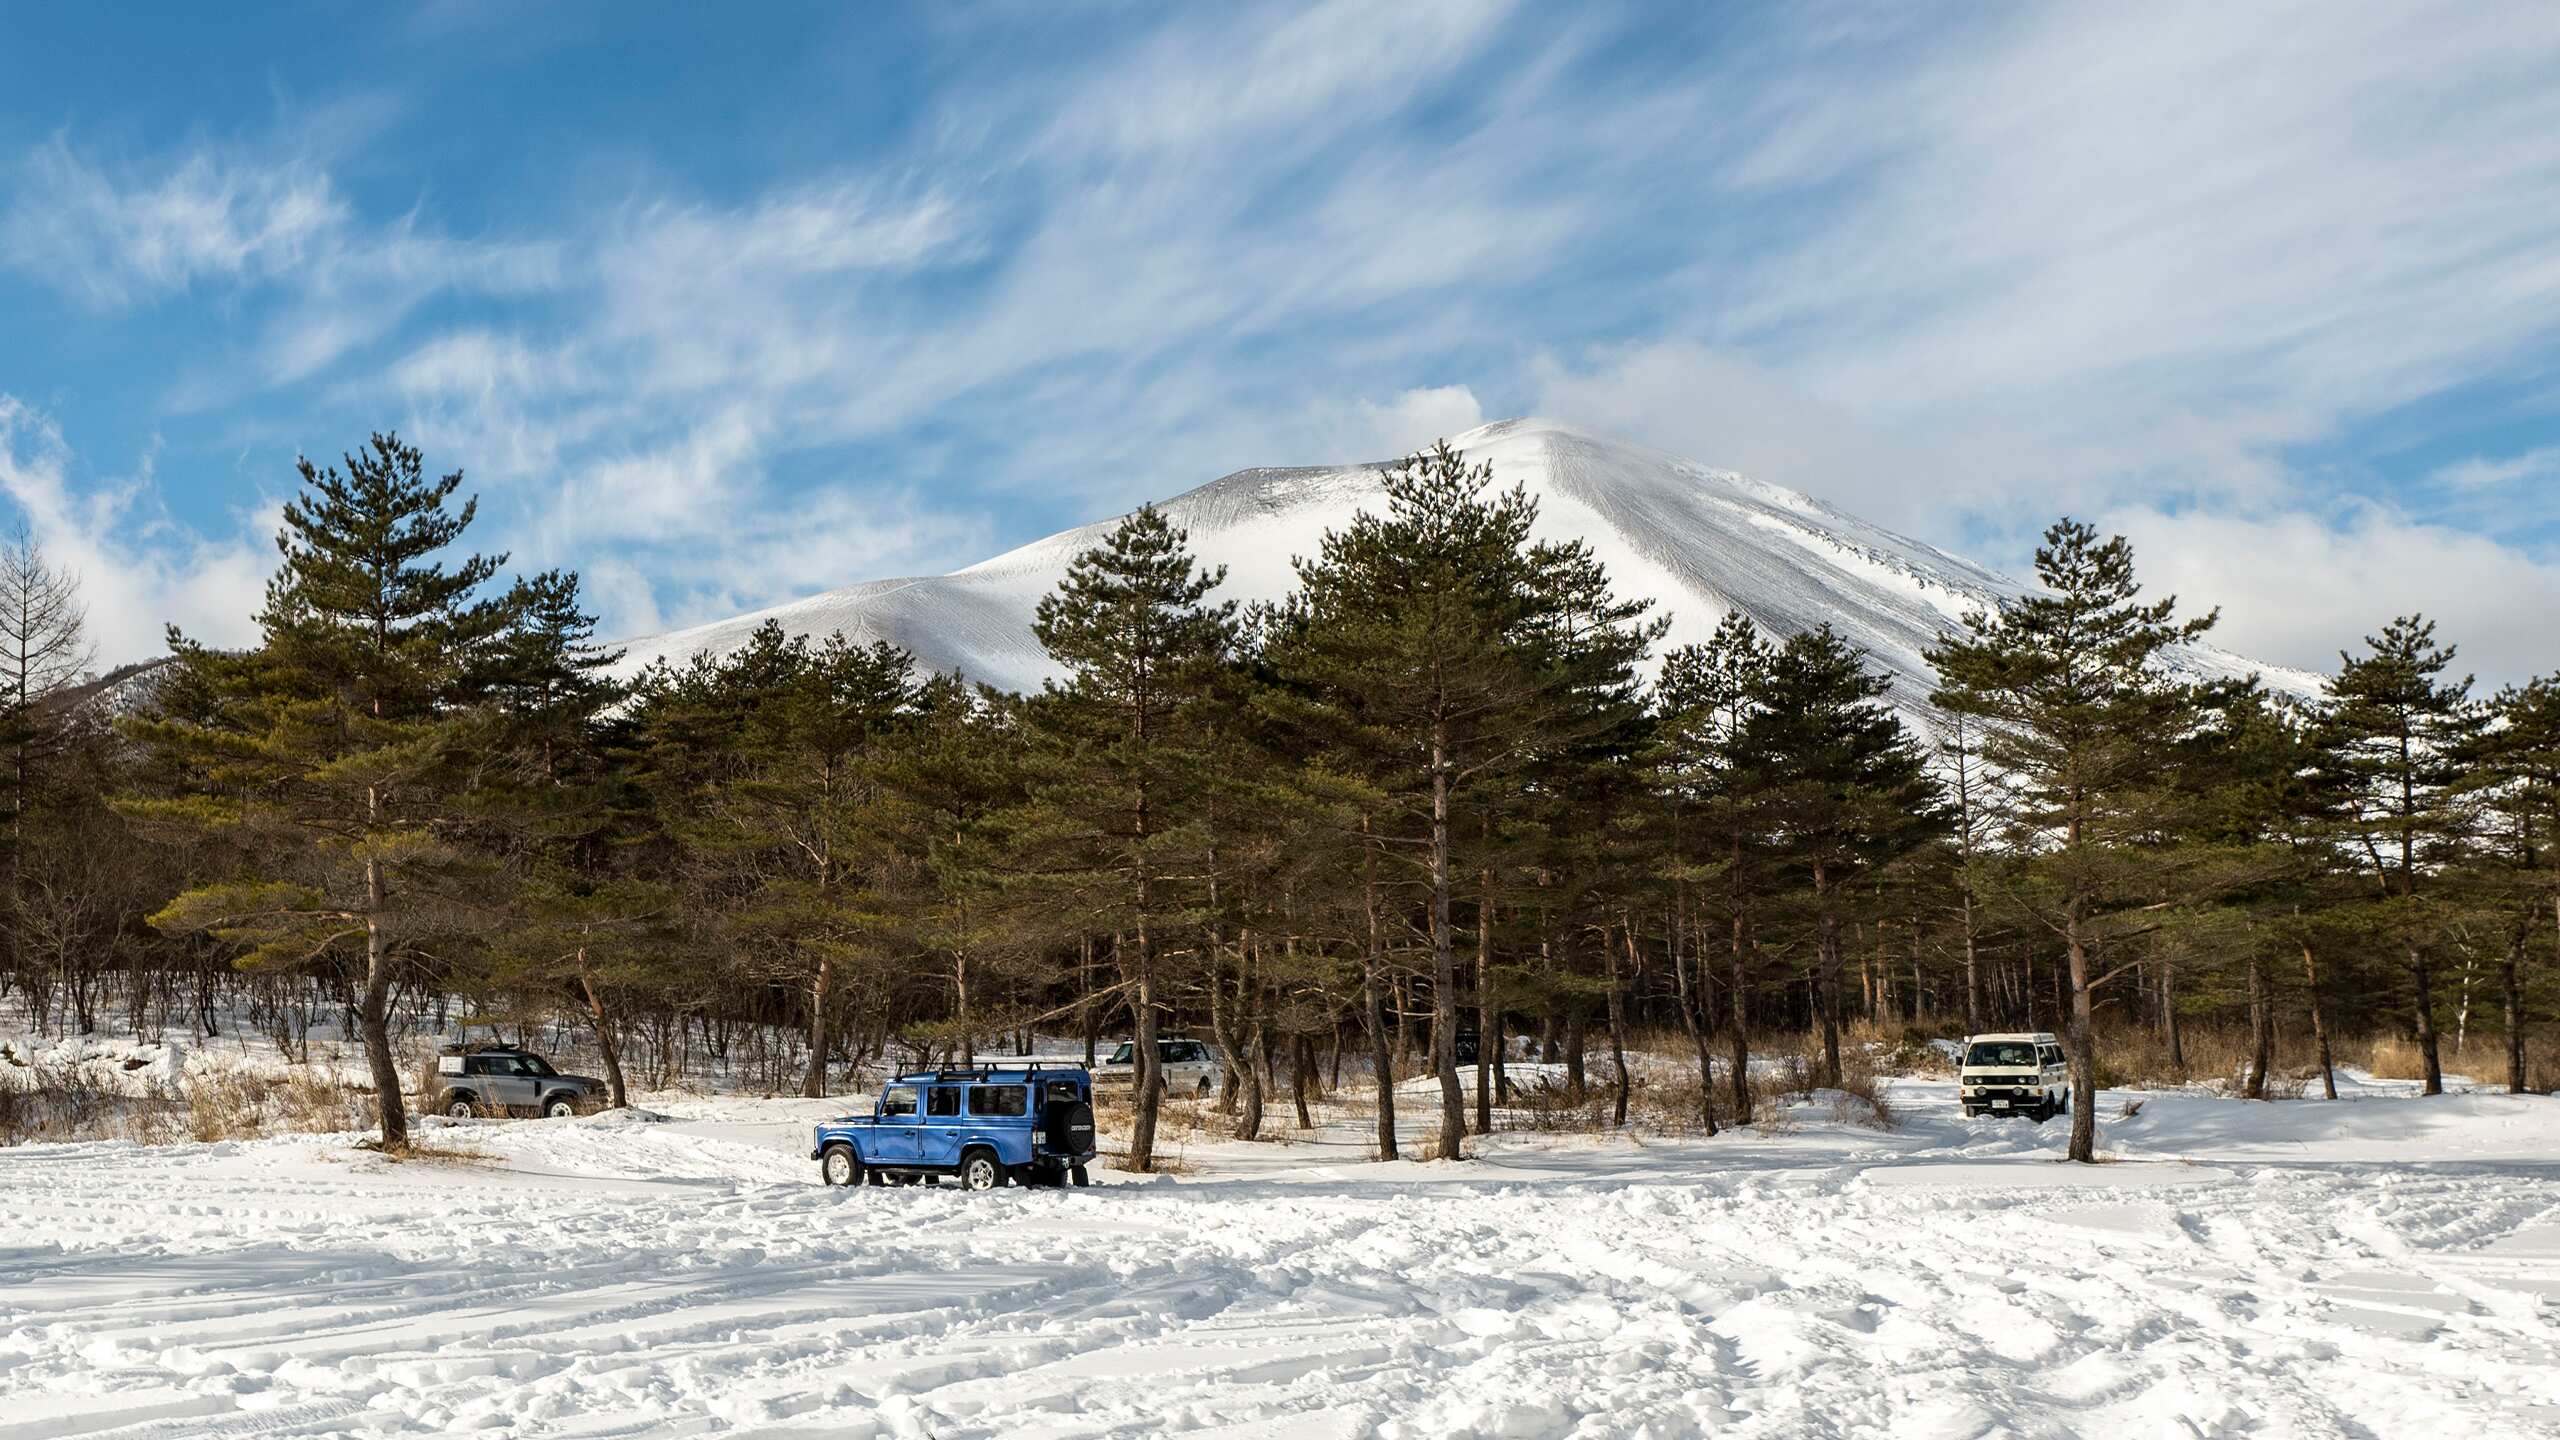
(1111, 820)
(2077, 717)
(1847, 790)
(337, 749)
(2397, 732)
(1448, 654)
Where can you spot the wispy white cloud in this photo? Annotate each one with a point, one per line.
(2483, 472)
(2296, 586)
(138, 570)
(115, 244)
(2158, 244)
(246, 216)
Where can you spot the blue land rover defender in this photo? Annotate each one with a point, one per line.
(1028, 1124)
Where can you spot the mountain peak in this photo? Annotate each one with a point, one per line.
(1520, 427)
(1701, 543)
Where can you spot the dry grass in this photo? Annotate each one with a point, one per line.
(2388, 1057)
(245, 1105)
(2216, 1057)
(47, 1102)
(71, 1102)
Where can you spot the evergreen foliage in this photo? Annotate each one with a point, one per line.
(1427, 802)
(2076, 715)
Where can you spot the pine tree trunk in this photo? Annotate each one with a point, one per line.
(1226, 1022)
(375, 1013)
(1577, 1075)
(2426, 1018)
(1972, 970)
(2083, 1041)
(1091, 1013)
(1485, 1009)
(814, 1084)
(1245, 1023)
(1618, 1022)
(374, 1016)
(1739, 1003)
(1444, 961)
(2319, 1023)
(1302, 1061)
(1148, 1099)
(2515, 1010)
(2262, 1027)
(1373, 985)
(2169, 1010)
(1827, 976)
(1249, 1122)
(606, 1045)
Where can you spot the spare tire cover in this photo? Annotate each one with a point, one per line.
(1067, 1126)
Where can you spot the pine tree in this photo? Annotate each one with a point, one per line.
(549, 679)
(557, 797)
(1707, 698)
(1110, 815)
(808, 729)
(335, 749)
(2397, 732)
(1847, 790)
(2518, 780)
(2250, 821)
(942, 788)
(1447, 653)
(2077, 718)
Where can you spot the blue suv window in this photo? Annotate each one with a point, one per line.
(998, 1100)
(942, 1100)
(898, 1100)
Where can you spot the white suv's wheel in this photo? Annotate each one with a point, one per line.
(980, 1172)
(461, 1108)
(560, 1108)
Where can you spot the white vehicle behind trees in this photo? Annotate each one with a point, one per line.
(1190, 1067)
(2020, 1073)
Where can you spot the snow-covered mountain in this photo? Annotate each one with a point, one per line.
(1700, 542)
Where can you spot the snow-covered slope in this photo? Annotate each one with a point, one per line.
(1699, 542)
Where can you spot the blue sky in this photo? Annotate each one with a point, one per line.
(724, 310)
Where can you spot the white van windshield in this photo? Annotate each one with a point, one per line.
(1121, 1055)
(2001, 1052)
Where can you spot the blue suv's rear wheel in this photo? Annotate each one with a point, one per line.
(840, 1166)
(979, 1171)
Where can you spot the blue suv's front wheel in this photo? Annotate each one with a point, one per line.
(840, 1165)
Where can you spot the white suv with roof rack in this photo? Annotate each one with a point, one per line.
(1190, 1068)
(2019, 1073)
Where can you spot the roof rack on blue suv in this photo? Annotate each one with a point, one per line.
(991, 1125)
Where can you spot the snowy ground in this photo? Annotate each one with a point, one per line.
(2383, 1267)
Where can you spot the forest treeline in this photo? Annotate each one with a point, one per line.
(1447, 792)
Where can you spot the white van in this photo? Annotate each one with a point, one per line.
(2015, 1074)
